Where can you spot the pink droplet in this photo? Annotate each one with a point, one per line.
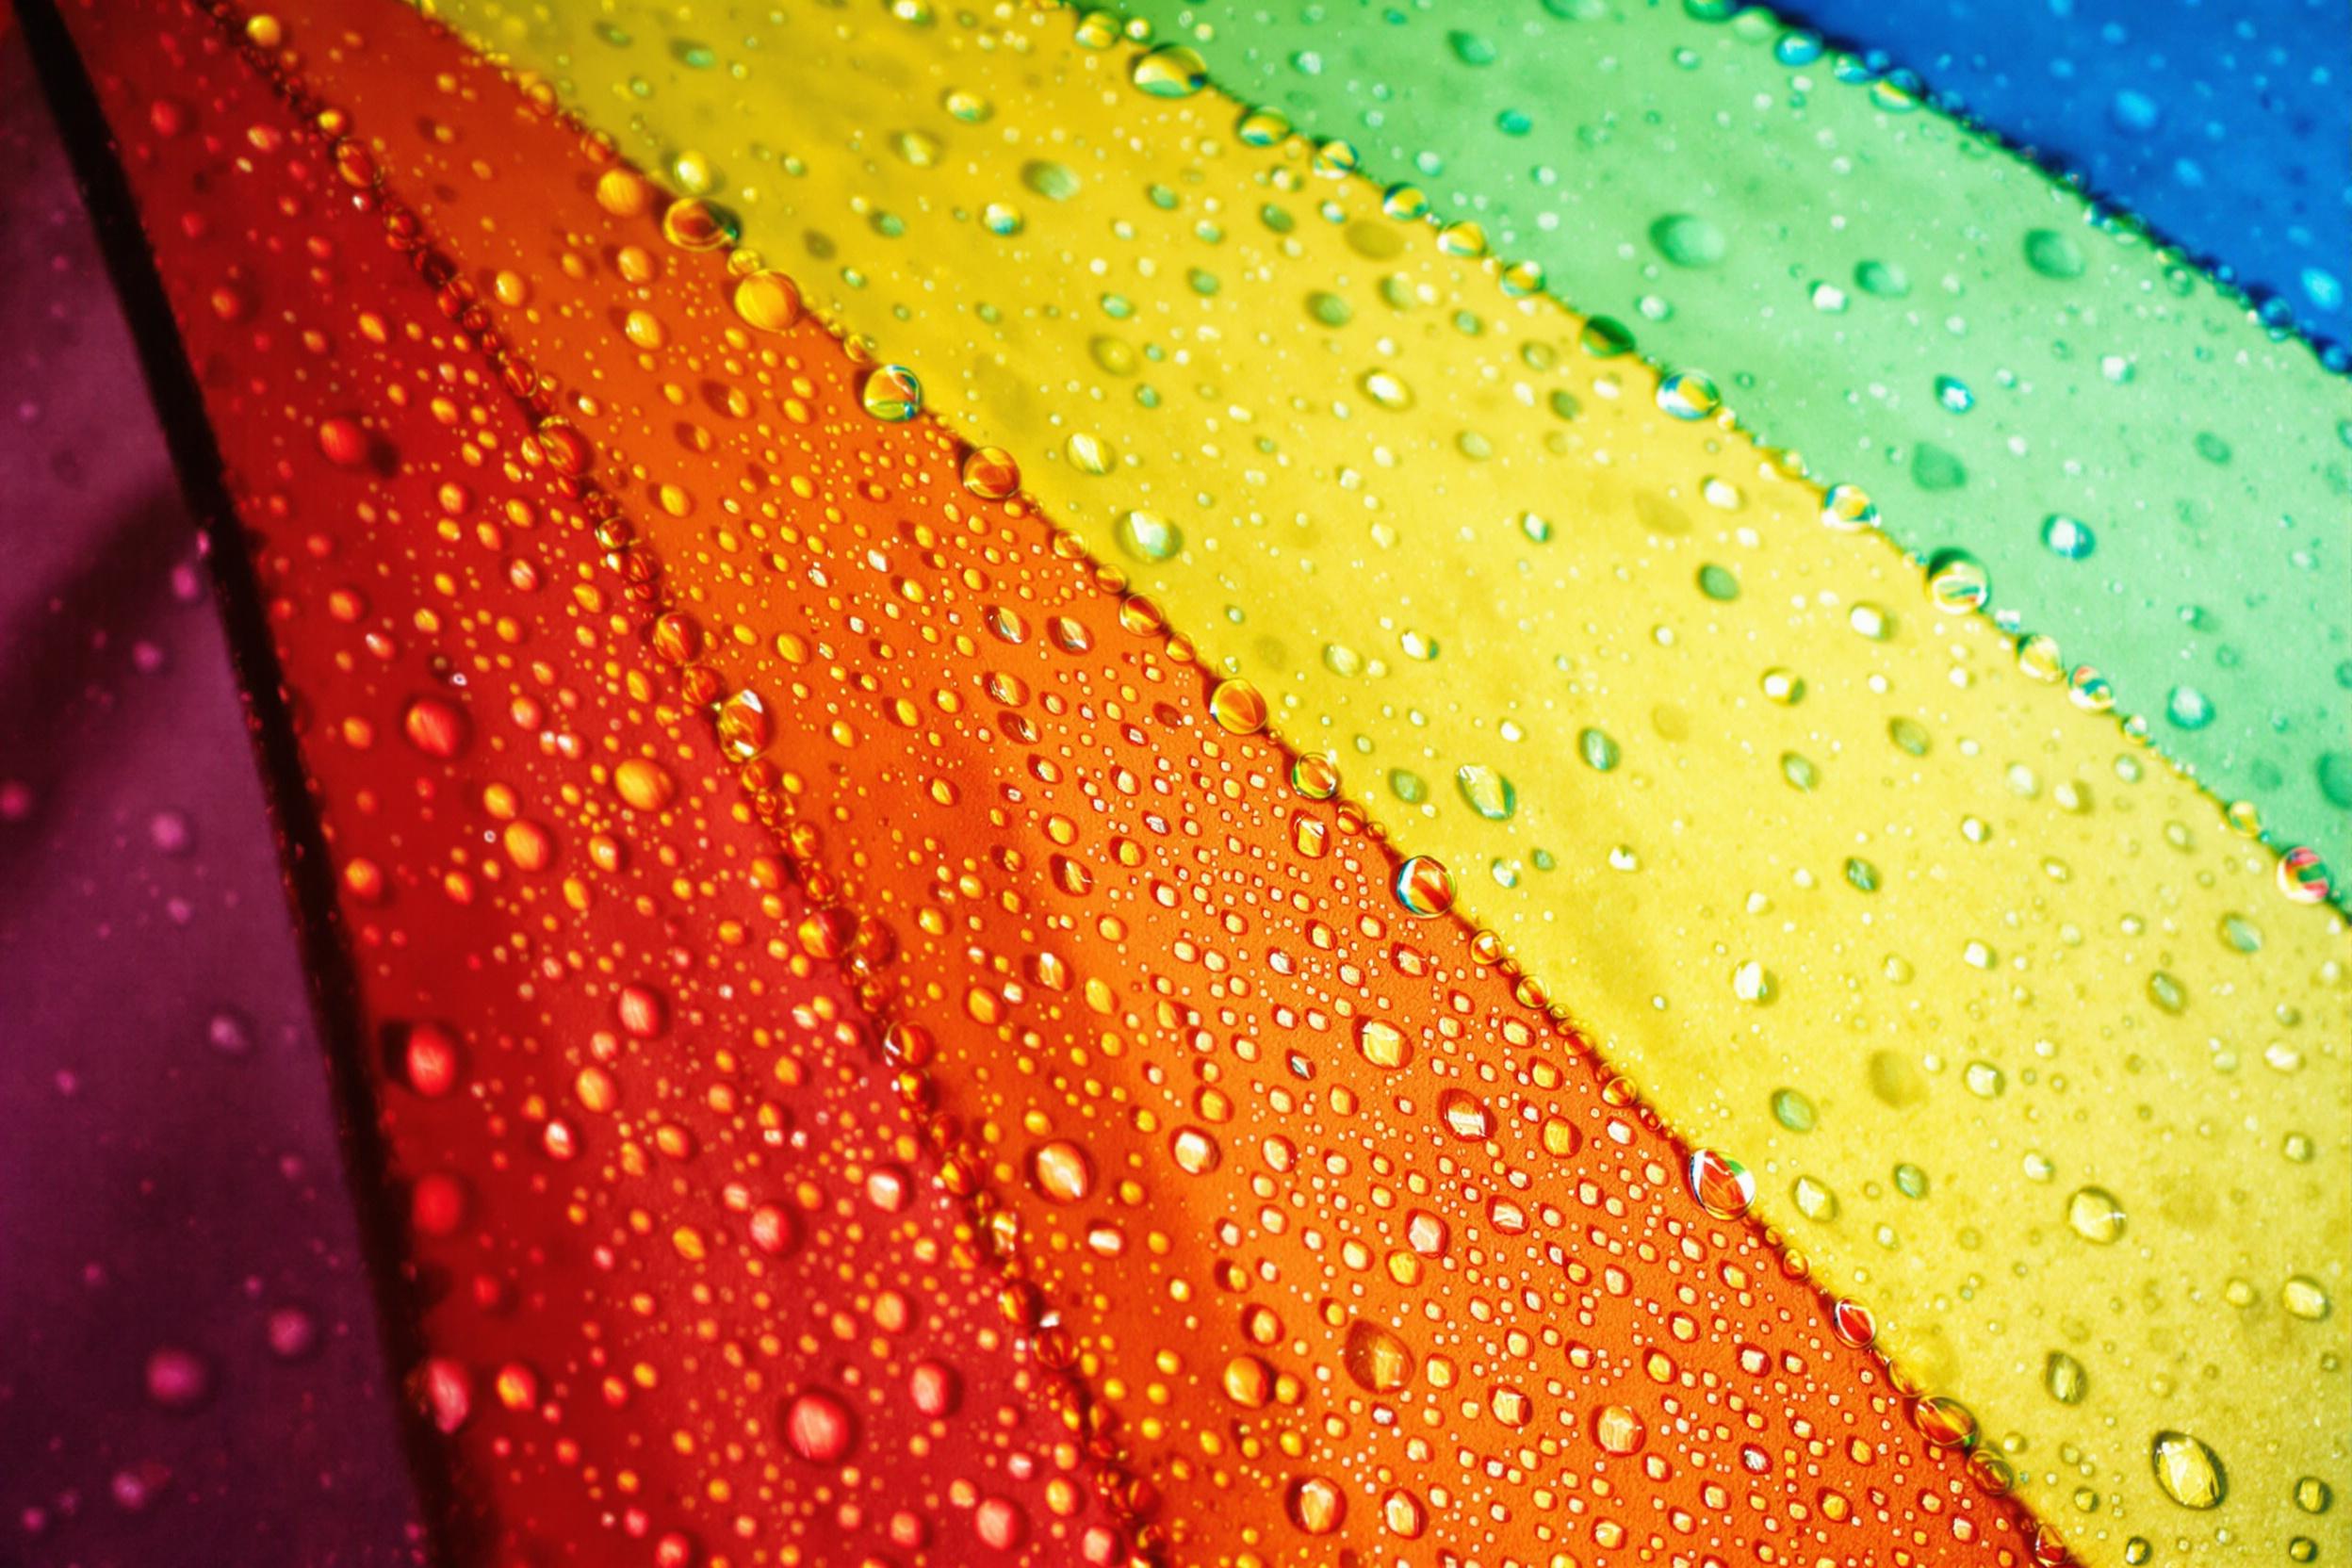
(177, 1379)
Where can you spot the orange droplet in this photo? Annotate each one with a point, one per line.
(645, 784)
(1315, 1505)
(767, 301)
(1618, 1430)
(1248, 1381)
(1062, 1171)
(991, 473)
(1238, 707)
(1375, 1358)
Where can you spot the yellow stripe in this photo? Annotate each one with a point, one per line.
(1857, 898)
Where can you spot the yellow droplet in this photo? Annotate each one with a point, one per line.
(2189, 1472)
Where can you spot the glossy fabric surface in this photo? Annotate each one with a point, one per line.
(1230, 890)
(1827, 865)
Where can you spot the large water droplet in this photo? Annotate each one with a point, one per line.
(2190, 1473)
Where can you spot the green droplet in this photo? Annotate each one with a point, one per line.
(1487, 792)
(1687, 240)
(1882, 280)
(1470, 49)
(1934, 468)
(2053, 254)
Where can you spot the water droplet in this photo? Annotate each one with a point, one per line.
(1149, 537)
(178, 1379)
(1688, 395)
(1849, 508)
(1061, 1172)
(1618, 1430)
(436, 727)
(1487, 792)
(2304, 1298)
(2303, 876)
(891, 394)
(1466, 1116)
(1170, 70)
(991, 474)
(2190, 1473)
(1383, 1044)
(691, 223)
(1687, 240)
(2053, 254)
(2066, 1378)
(1423, 887)
(2188, 709)
(1315, 1505)
(2068, 538)
(644, 784)
(2096, 1215)
(1945, 1422)
(1314, 776)
(1375, 1358)
(1720, 1184)
(1957, 582)
(767, 301)
(819, 1428)
(1238, 707)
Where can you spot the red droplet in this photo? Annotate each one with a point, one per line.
(447, 1393)
(933, 1387)
(644, 1013)
(771, 1230)
(1000, 1523)
(436, 1204)
(1853, 1322)
(819, 1428)
(436, 727)
(343, 442)
(430, 1060)
(1946, 1423)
